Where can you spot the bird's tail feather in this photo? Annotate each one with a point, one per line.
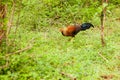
(85, 26)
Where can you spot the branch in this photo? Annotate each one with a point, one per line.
(11, 18)
(103, 15)
(21, 50)
(7, 56)
(29, 46)
(103, 57)
(1, 36)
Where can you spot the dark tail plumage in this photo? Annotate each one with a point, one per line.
(85, 26)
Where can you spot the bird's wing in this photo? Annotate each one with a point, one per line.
(71, 29)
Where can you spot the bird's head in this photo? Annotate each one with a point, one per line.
(63, 30)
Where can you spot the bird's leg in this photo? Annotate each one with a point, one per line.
(71, 39)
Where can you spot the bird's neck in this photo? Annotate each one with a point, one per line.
(78, 28)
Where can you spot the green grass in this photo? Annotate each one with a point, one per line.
(51, 54)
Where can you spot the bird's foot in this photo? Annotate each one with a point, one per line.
(71, 39)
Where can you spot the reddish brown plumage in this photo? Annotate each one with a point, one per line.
(72, 30)
(68, 31)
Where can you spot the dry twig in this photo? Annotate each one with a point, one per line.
(103, 57)
(21, 50)
(11, 19)
(1, 36)
(7, 55)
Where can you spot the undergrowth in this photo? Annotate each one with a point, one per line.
(53, 57)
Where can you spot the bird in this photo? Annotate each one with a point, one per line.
(72, 30)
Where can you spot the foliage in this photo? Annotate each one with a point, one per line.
(36, 23)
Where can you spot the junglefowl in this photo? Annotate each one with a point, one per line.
(72, 30)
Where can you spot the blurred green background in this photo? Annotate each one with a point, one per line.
(47, 55)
